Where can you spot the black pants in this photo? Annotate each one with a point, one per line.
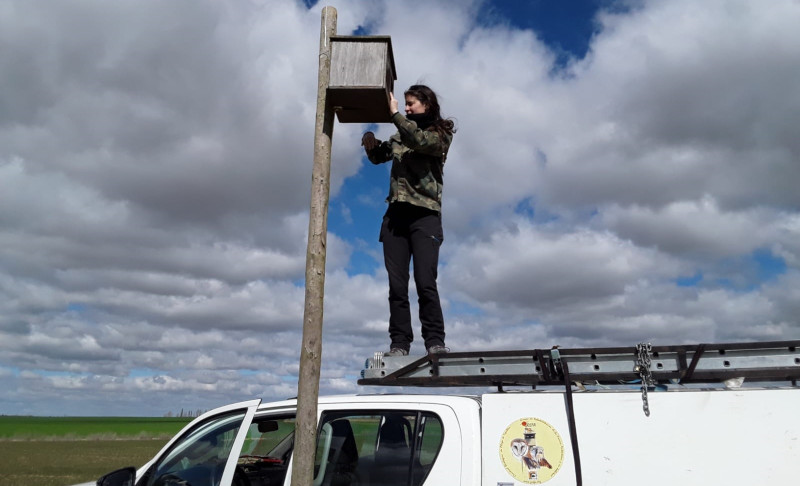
(408, 231)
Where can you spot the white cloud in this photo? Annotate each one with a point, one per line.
(523, 266)
(695, 228)
(678, 100)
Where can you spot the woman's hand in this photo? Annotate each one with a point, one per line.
(369, 142)
(393, 104)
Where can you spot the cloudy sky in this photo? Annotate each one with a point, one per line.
(623, 171)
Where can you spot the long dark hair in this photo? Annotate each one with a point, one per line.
(426, 96)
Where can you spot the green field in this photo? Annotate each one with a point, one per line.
(89, 427)
(59, 451)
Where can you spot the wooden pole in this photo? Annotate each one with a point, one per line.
(311, 348)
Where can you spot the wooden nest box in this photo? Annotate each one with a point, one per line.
(362, 76)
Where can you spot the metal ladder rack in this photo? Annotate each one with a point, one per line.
(777, 361)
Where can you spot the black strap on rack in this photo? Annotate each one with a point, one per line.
(701, 348)
(573, 429)
(434, 360)
(539, 356)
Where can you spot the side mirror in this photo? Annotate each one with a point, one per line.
(120, 477)
(268, 426)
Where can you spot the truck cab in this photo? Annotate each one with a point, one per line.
(361, 440)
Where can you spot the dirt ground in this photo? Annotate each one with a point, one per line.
(66, 462)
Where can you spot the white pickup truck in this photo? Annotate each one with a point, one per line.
(590, 430)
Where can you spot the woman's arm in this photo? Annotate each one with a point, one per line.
(413, 137)
(422, 141)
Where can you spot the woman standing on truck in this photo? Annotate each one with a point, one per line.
(412, 225)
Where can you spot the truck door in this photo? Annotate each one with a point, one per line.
(267, 449)
(205, 452)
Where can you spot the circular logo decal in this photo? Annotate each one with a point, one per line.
(531, 450)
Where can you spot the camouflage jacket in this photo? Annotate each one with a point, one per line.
(417, 163)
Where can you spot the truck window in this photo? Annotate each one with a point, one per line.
(266, 450)
(199, 457)
(389, 448)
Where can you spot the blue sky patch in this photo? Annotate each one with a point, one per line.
(565, 26)
(76, 307)
(750, 272)
(691, 281)
(770, 266)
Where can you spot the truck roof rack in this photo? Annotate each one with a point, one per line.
(776, 361)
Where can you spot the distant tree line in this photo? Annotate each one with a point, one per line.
(185, 413)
